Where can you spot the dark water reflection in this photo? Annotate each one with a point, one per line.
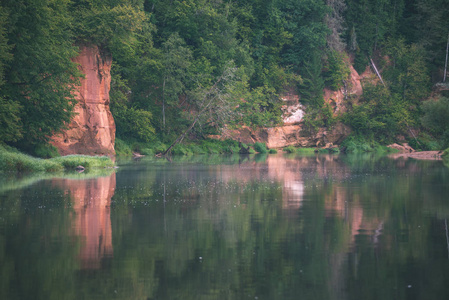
(240, 227)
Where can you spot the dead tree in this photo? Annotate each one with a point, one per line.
(215, 100)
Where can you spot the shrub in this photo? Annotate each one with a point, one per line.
(360, 144)
(134, 123)
(46, 151)
(260, 147)
(159, 147)
(436, 119)
(146, 151)
(445, 153)
(122, 148)
(289, 149)
(381, 115)
(272, 151)
(180, 149)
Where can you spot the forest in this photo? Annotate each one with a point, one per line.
(197, 65)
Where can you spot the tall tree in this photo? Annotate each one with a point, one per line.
(41, 76)
(368, 23)
(176, 62)
(334, 21)
(10, 126)
(432, 32)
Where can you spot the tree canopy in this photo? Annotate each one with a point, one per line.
(166, 51)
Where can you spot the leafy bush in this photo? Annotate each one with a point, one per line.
(360, 144)
(425, 142)
(262, 108)
(181, 149)
(272, 151)
(445, 153)
(381, 115)
(159, 147)
(355, 144)
(46, 151)
(122, 148)
(289, 149)
(436, 119)
(260, 147)
(134, 123)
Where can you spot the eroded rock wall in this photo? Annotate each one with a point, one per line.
(352, 89)
(92, 130)
(289, 135)
(292, 132)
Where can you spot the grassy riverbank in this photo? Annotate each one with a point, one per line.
(11, 160)
(198, 147)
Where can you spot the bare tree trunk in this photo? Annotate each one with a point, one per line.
(181, 137)
(209, 99)
(445, 65)
(163, 104)
(377, 72)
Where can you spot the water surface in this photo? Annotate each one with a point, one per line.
(239, 227)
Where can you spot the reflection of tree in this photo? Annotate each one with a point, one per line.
(38, 256)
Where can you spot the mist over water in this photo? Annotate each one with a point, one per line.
(238, 227)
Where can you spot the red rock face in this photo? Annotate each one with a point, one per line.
(288, 135)
(92, 130)
(337, 99)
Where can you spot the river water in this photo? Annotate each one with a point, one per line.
(238, 227)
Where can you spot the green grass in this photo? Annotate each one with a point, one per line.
(306, 150)
(207, 146)
(12, 160)
(70, 162)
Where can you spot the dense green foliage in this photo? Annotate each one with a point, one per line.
(436, 119)
(188, 67)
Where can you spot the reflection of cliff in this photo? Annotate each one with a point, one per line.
(91, 200)
(288, 171)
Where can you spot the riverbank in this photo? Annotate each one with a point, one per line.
(426, 155)
(11, 160)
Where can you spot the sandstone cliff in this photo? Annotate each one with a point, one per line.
(92, 130)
